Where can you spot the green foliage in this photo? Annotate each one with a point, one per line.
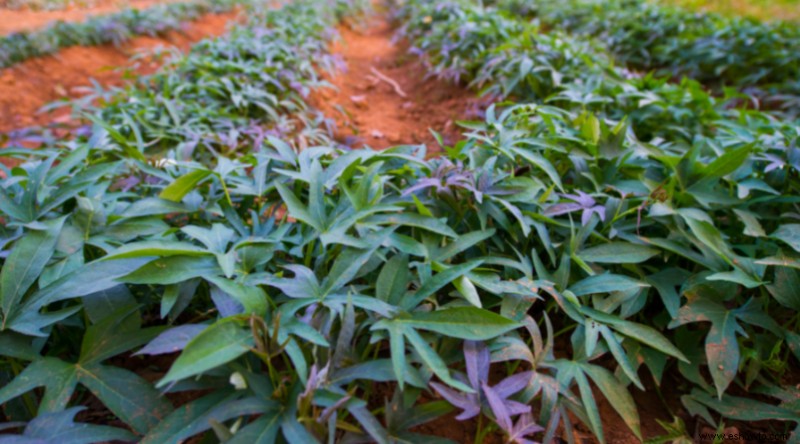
(761, 58)
(207, 212)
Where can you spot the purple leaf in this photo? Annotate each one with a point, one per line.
(477, 358)
(468, 402)
(172, 340)
(584, 202)
(513, 384)
(524, 427)
(422, 184)
(582, 198)
(226, 305)
(501, 414)
(562, 208)
(516, 408)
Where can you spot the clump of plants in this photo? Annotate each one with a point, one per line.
(760, 58)
(205, 260)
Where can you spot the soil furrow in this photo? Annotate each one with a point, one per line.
(383, 96)
(28, 86)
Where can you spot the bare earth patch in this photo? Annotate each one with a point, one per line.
(384, 98)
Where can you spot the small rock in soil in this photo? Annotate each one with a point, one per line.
(360, 101)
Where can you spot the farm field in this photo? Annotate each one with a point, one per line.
(398, 221)
(22, 17)
(758, 9)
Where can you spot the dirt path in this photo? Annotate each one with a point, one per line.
(26, 87)
(28, 20)
(369, 110)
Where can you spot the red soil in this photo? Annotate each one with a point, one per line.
(28, 86)
(28, 20)
(376, 113)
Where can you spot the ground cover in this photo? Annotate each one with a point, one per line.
(210, 256)
(757, 57)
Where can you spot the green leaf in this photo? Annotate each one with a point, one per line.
(413, 220)
(726, 163)
(25, 263)
(780, 260)
(617, 395)
(460, 244)
(785, 287)
(197, 416)
(470, 323)
(252, 298)
(745, 409)
(590, 405)
(397, 347)
(182, 422)
(434, 284)
(590, 129)
(60, 427)
(178, 189)
(615, 347)
(89, 279)
(296, 208)
(722, 348)
(790, 234)
(173, 270)
(263, 430)
(56, 376)
(157, 248)
(540, 162)
(379, 370)
(128, 396)
(752, 227)
(433, 360)
(217, 345)
(710, 237)
(665, 282)
(152, 206)
(349, 262)
(117, 333)
(17, 346)
(638, 332)
(617, 253)
(393, 280)
(605, 283)
(468, 290)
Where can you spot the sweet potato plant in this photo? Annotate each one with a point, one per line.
(203, 259)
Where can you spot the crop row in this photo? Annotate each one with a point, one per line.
(139, 172)
(652, 203)
(762, 59)
(104, 29)
(510, 58)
